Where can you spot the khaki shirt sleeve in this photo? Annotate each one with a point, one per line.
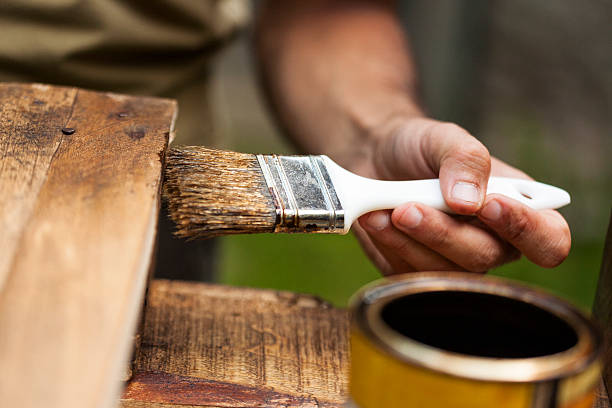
(161, 48)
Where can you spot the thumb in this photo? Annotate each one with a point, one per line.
(426, 148)
(462, 163)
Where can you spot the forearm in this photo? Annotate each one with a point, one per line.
(339, 75)
(336, 73)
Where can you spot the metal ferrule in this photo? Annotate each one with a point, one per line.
(304, 194)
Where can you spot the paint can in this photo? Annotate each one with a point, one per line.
(447, 339)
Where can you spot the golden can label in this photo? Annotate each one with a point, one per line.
(460, 340)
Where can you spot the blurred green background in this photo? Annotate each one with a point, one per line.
(532, 80)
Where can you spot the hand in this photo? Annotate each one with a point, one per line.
(414, 237)
(334, 72)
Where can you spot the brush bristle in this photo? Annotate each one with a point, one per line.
(214, 192)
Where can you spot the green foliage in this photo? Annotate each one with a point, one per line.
(330, 266)
(334, 267)
(575, 279)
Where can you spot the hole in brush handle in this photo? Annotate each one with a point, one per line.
(536, 195)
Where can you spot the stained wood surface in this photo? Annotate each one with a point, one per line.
(601, 398)
(77, 220)
(602, 307)
(211, 345)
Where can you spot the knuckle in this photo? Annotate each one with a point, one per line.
(475, 157)
(517, 228)
(437, 237)
(447, 129)
(483, 260)
(403, 247)
(439, 133)
(432, 130)
(467, 151)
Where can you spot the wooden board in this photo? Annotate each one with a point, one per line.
(602, 307)
(77, 221)
(211, 345)
(216, 346)
(601, 398)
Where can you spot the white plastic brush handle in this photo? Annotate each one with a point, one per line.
(359, 195)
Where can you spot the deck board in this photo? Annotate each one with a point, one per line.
(78, 214)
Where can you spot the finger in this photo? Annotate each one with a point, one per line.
(543, 236)
(375, 223)
(402, 252)
(462, 163)
(465, 244)
(399, 157)
(425, 148)
(370, 249)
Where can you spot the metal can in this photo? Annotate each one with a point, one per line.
(448, 339)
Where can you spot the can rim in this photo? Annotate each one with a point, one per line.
(367, 304)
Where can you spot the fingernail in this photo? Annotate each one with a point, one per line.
(411, 217)
(492, 211)
(467, 192)
(378, 220)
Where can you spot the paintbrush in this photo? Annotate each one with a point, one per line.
(214, 192)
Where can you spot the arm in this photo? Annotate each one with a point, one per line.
(340, 78)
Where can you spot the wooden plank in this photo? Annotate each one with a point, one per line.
(211, 345)
(25, 154)
(601, 398)
(141, 404)
(80, 247)
(602, 307)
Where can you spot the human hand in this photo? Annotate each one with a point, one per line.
(340, 77)
(489, 231)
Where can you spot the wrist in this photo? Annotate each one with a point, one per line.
(372, 124)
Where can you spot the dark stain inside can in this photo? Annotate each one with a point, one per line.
(68, 131)
(478, 324)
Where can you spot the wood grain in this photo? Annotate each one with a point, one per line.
(26, 150)
(210, 345)
(601, 397)
(78, 215)
(602, 306)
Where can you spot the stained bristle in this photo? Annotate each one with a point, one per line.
(215, 192)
